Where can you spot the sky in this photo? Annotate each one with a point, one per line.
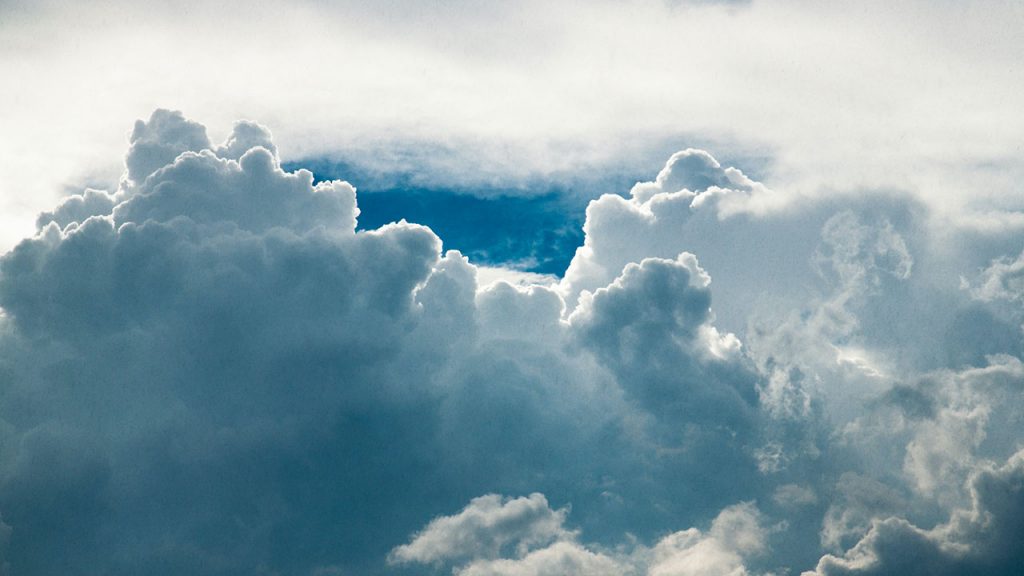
(639, 288)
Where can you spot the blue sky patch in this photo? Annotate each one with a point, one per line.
(534, 227)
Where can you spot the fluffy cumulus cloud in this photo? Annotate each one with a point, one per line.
(483, 528)
(536, 543)
(647, 224)
(655, 320)
(212, 369)
(203, 327)
(735, 534)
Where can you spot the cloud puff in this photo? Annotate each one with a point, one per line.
(559, 559)
(483, 528)
(478, 540)
(655, 320)
(696, 171)
(210, 184)
(650, 222)
(495, 536)
(156, 143)
(78, 208)
(735, 534)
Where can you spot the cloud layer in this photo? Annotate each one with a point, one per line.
(506, 91)
(209, 370)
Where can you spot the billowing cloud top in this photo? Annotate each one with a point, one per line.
(210, 370)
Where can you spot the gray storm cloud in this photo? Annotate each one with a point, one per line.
(209, 370)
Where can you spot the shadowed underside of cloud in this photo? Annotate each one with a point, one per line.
(215, 369)
(982, 539)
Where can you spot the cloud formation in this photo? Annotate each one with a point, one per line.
(537, 544)
(211, 369)
(982, 539)
(483, 528)
(508, 91)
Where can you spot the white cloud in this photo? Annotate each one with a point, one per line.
(544, 548)
(734, 535)
(653, 220)
(488, 275)
(558, 559)
(529, 87)
(483, 528)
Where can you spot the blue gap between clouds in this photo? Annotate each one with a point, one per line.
(535, 228)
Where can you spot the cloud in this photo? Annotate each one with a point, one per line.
(474, 539)
(942, 434)
(78, 208)
(222, 317)
(213, 369)
(559, 559)
(937, 429)
(495, 535)
(831, 352)
(735, 534)
(483, 528)
(156, 143)
(789, 495)
(858, 500)
(487, 90)
(1003, 279)
(651, 221)
(982, 539)
(655, 319)
(212, 364)
(696, 171)
(533, 312)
